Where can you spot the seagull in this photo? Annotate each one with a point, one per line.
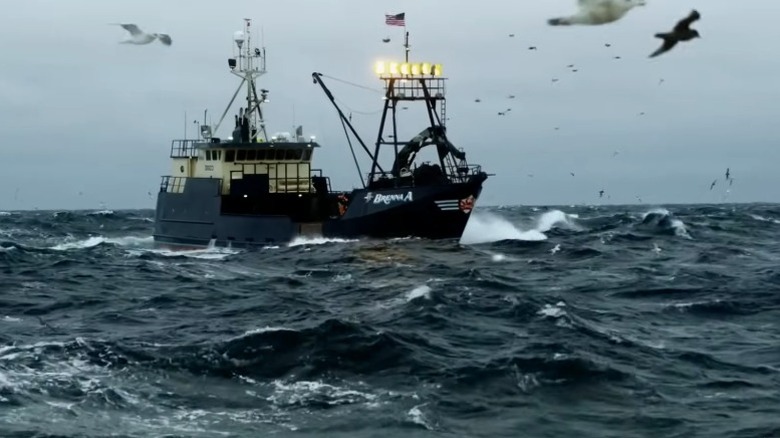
(601, 193)
(139, 37)
(385, 40)
(595, 12)
(728, 172)
(681, 32)
(713, 184)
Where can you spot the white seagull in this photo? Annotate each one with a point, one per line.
(595, 12)
(139, 37)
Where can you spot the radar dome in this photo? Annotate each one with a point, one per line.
(238, 37)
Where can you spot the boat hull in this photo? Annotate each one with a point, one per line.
(195, 217)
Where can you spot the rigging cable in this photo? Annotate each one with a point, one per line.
(354, 157)
(364, 113)
(376, 90)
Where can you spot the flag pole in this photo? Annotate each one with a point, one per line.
(406, 41)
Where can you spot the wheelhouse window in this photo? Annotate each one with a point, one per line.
(270, 154)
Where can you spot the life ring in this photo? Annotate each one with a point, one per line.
(342, 201)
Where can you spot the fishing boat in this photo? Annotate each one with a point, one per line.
(248, 189)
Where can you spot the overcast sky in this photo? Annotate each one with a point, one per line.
(87, 120)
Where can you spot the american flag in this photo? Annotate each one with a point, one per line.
(396, 19)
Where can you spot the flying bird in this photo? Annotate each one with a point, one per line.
(713, 184)
(385, 40)
(681, 32)
(728, 172)
(595, 12)
(137, 36)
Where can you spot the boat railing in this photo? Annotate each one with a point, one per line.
(458, 173)
(462, 172)
(281, 181)
(183, 149)
(278, 184)
(416, 88)
(175, 184)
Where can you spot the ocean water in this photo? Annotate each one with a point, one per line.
(627, 321)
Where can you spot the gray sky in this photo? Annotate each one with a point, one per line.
(82, 113)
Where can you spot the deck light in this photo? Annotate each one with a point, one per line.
(386, 68)
(380, 68)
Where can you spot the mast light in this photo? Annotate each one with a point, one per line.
(389, 68)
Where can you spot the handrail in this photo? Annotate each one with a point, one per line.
(281, 184)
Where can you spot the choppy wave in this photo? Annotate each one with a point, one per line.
(550, 321)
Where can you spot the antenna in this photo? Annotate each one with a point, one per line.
(248, 64)
(406, 44)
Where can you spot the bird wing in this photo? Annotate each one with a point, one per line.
(685, 23)
(164, 38)
(665, 47)
(132, 28)
(588, 4)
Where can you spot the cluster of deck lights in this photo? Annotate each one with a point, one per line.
(384, 68)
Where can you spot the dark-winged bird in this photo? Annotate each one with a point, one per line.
(681, 32)
(728, 172)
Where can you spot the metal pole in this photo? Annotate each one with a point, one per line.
(406, 44)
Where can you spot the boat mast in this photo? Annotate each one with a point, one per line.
(408, 82)
(406, 45)
(245, 67)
